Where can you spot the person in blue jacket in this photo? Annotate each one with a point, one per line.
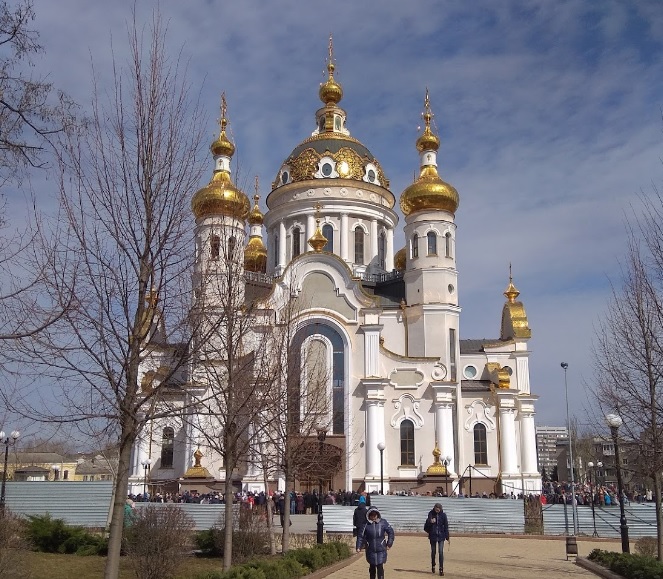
(376, 537)
(437, 527)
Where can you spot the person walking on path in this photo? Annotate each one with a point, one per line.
(376, 537)
(437, 527)
(359, 517)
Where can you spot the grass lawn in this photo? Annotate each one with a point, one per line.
(51, 566)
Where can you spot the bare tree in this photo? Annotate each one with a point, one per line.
(123, 249)
(629, 348)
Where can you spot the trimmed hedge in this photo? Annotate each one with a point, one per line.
(628, 565)
(54, 536)
(294, 564)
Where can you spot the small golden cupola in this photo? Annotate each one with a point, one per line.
(429, 192)
(400, 259)
(317, 240)
(255, 253)
(220, 196)
(514, 317)
(330, 92)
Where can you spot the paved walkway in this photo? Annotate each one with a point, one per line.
(481, 558)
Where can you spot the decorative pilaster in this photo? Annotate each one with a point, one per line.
(375, 433)
(528, 460)
(344, 236)
(374, 240)
(507, 425)
(282, 245)
(443, 400)
(389, 258)
(371, 350)
(310, 226)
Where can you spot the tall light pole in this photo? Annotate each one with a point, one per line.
(574, 507)
(614, 422)
(7, 440)
(591, 467)
(322, 435)
(146, 469)
(381, 447)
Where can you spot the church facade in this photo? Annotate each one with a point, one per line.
(411, 404)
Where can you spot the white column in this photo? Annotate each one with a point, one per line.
(508, 440)
(310, 230)
(528, 463)
(282, 242)
(344, 236)
(371, 350)
(374, 435)
(444, 432)
(389, 258)
(374, 239)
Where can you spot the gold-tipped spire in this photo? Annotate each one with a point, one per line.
(330, 91)
(256, 216)
(429, 192)
(511, 292)
(317, 241)
(514, 316)
(222, 145)
(255, 252)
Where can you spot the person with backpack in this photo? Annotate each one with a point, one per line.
(359, 517)
(437, 527)
(376, 537)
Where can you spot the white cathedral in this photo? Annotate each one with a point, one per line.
(411, 405)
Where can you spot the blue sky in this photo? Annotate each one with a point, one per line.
(549, 114)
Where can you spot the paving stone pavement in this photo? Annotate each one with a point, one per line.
(481, 557)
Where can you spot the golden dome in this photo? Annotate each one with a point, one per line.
(399, 259)
(255, 255)
(255, 216)
(220, 196)
(429, 191)
(330, 91)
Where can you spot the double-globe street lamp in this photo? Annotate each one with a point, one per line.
(614, 422)
(446, 461)
(322, 435)
(592, 467)
(381, 447)
(6, 440)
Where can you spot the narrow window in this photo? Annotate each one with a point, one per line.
(296, 242)
(359, 246)
(167, 440)
(328, 232)
(232, 242)
(382, 242)
(65, 475)
(215, 246)
(452, 353)
(415, 246)
(447, 244)
(276, 250)
(432, 243)
(407, 443)
(480, 445)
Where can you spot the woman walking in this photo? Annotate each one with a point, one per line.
(376, 537)
(437, 527)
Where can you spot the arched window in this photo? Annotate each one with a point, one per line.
(328, 232)
(407, 443)
(382, 243)
(296, 241)
(480, 444)
(359, 246)
(415, 246)
(276, 250)
(215, 246)
(447, 243)
(232, 243)
(432, 243)
(167, 440)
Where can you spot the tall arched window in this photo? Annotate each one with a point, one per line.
(382, 245)
(296, 241)
(432, 243)
(480, 444)
(215, 246)
(359, 246)
(232, 244)
(407, 443)
(415, 246)
(276, 250)
(328, 232)
(447, 243)
(167, 441)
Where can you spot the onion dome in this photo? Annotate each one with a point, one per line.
(330, 91)
(255, 252)
(220, 196)
(429, 191)
(514, 316)
(399, 259)
(317, 240)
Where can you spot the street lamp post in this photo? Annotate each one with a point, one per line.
(381, 447)
(322, 435)
(446, 461)
(7, 440)
(614, 422)
(146, 469)
(591, 467)
(574, 507)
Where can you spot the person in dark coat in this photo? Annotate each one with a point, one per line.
(359, 517)
(376, 537)
(437, 527)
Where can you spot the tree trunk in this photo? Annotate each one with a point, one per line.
(112, 569)
(230, 523)
(289, 484)
(659, 517)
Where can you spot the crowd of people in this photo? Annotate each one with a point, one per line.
(601, 495)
